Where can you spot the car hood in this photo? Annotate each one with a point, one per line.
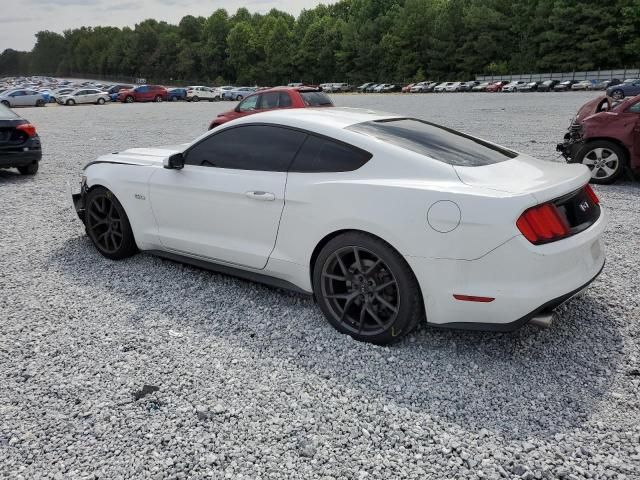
(142, 156)
(527, 175)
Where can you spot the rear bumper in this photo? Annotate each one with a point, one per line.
(20, 156)
(524, 280)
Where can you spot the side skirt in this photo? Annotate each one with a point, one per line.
(232, 271)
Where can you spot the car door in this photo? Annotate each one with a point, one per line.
(225, 204)
(80, 97)
(16, 99)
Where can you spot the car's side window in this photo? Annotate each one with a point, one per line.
(268, 100)
(285, 100)
(323, 155)
(251, 147)
(634, 108)
(249, 104)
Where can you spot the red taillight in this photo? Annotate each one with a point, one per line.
(591, 194)
(27, 128)
(542, 224)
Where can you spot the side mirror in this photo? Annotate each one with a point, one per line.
(174, 162)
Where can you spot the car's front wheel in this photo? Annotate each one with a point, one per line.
(195, 99)
(101, 101)
(70, 103)
(366, 289)
(158, 99)
(605, 159)
(239, 98)
(128, 99)
(5, 103)
(617, 94)
(108, 226)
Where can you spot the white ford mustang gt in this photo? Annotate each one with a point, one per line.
(386, 220)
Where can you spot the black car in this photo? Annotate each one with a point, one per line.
(547, 85)
(391, 87)
(564, 86)
(19, 143)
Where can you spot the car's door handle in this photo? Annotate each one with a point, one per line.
(263, 196)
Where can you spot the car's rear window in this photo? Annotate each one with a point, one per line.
(315, 99)
(6, 113)
(435, 141)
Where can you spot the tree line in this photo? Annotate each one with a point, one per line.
(351, 41)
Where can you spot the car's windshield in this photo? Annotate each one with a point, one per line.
(316, 99)
(435, 141)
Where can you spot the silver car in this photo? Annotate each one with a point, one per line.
(23, 97)
(84, 95)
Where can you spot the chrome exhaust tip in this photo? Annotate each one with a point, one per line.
(544, 320)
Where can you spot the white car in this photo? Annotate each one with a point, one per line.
(82, 96)
(453, 87)
(385, 219)
(442, 87)
(22, 97)
(197, 93)
(513, 86)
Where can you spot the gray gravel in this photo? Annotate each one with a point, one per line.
(150, 369)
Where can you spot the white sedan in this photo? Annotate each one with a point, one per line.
(84, 95)
(386, 220)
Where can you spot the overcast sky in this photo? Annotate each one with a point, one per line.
(20, 21)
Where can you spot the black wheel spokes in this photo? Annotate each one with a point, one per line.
(104, 224)
(360, 290)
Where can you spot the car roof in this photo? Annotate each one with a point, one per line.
(335, 118)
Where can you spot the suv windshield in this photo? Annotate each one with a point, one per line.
(434, 141)
(316, 99)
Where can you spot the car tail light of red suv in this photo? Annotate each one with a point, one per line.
(560, 218)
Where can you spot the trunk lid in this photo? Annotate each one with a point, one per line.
(546, 181)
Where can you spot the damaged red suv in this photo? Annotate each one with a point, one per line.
(275, 98)
(605, 136)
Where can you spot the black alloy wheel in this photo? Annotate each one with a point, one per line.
(108, 226)
(366, 289)
(128, 99)
(158, 99)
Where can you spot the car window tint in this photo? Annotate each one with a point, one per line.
(285, 100)
(323, 155)
(434, 141)
(634, 108)
(249, 104)
(315, 99)
(269, 100)
(251, 147)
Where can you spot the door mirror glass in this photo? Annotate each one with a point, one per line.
(174, 162)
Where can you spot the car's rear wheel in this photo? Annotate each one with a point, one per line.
(366, 289)
(41, 103)
(30, 169)
(617, 94)
(239, 97)
(605, 159)
(195, 99)
(71, 102)
(128, 99)
(5, 103)
(101, 101)
(108, 225)
(158, 98)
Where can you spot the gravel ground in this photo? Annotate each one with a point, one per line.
(150, 369)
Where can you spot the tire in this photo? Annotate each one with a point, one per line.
(239, 98)
(5, 103)
(174, 99)
(41, 103)
(377, 286)
(70, 103)
(128, 99)
(158, 99)
(30, 169)
(108, 226)
(617, 94)
(101, 101)
(217, 99)
(195, 99)
(606, 160)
